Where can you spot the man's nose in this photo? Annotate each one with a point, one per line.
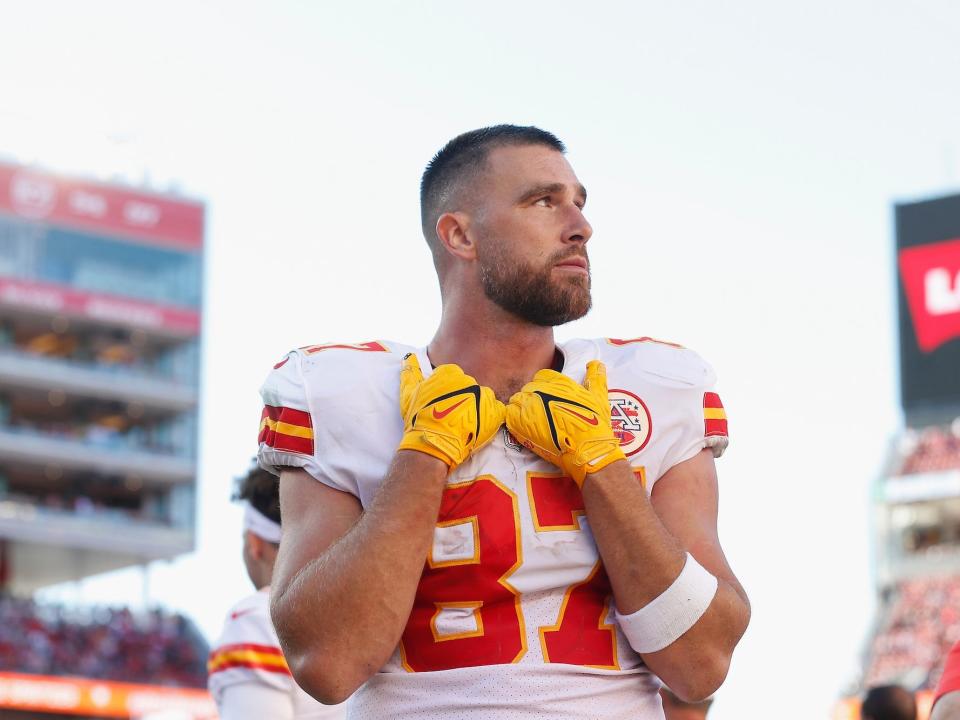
(579, 230)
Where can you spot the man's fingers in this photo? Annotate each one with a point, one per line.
(410, 379)
(596, 379)
(410, 372)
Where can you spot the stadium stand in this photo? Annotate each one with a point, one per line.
(103, 643)
(930, 450)
(922, 625)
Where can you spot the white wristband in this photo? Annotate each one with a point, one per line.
(674, 611)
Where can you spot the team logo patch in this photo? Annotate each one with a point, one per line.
(631, 421)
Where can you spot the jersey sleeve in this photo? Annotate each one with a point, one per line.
(244, 700)
(702, 419)
(289, 426)
(247, 653)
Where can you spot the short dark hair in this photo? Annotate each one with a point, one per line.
(889, 702)
(262, 490)
(460, 159)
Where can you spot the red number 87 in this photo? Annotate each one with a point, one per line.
(475, 587)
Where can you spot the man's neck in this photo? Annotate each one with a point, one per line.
(499, 349)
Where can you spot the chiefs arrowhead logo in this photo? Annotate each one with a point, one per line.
(631, 421)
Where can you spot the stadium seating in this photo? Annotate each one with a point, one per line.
(931, 450)
(922, 624)
(155, 647)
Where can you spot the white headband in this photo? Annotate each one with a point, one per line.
(259, 524)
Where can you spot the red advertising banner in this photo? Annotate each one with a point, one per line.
(101, 698)
(49, 298)
(931, 280)
(87, 205)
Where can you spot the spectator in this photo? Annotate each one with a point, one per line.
(889, 702)
(932, 449)
(112, 644)
(921, 625)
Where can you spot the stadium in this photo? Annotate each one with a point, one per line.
(916, 513)
(99, 360)
(741, 161)
(100, 311)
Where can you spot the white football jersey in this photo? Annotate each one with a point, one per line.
(248, 653)
(513, 617)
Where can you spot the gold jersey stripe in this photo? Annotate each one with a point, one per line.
(246, 656)
(714, 414)
(286, 428)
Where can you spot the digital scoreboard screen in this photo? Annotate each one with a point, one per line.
(928, 273)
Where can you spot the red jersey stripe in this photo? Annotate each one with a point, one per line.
(284, 428)
(280, 670)
(372, 346)
(714, 416)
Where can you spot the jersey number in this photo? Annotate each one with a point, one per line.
(467, 613)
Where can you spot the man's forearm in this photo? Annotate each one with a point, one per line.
(342, 615)
(642, 559)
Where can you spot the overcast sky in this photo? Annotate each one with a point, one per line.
(741, 162)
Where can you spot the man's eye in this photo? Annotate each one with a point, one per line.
(543, 202)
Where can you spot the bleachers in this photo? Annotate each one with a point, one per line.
(922, 624)
(154, 647)
(930, 450)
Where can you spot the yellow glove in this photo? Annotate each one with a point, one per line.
(565, 423)
(448, 415)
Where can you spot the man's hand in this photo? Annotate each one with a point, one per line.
(565, 423)
(448, 415)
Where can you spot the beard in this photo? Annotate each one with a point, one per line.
(532, 294)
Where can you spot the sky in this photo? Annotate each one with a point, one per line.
(742, 160)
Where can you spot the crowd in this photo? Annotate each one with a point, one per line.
(100, 433)
(931, 449)
(72, 504)
(111, 644)
(921, 625)
(103, 350)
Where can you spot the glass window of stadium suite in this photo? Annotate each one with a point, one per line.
(100, 423)
(927, 529)
(54, 490)
(78, 342)
(99, 264)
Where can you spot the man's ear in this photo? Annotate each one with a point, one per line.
(255, 545)
(452, 233)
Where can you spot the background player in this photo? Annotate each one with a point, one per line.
(946, 703)
(888, 702)
(510, 616)
(249, 678)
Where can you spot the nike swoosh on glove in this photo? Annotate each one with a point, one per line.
(448, 415)
(565, 423)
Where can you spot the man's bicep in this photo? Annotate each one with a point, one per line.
(314, 517)
(686, 501)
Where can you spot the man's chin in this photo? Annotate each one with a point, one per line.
(575, 310)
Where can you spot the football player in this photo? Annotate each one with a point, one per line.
(497, 526)
(248, 676)
(946, 702)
